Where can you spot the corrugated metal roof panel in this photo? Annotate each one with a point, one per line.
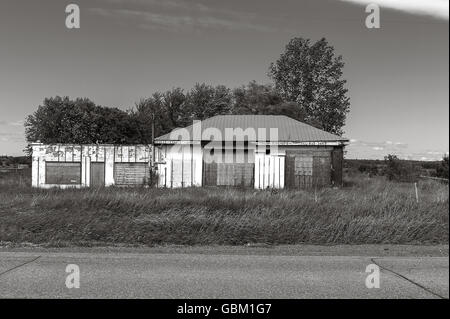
(289, 130)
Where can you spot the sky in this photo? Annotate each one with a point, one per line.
(397, 75)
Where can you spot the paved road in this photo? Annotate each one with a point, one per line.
(152, 275)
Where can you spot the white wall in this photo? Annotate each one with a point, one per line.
(269, 171)
(179, 165)
(84, 154)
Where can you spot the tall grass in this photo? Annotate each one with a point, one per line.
(367, 210)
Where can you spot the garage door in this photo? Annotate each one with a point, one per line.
(131, 173)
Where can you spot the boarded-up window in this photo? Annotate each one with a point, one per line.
(303, 165)
(131, 173)
(62, 173)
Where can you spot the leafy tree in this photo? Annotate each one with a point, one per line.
(175, 104)
(310, 74)
(168, 110)
(147, 110)
(61, 120)
(255, 98)
(206, 101)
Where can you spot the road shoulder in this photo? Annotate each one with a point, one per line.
(378, 250)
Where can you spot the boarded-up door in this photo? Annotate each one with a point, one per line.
(97, 174)
(308, 169)
(131, 173)
(299, 170)
(209, 174)
(322, 171)
(235, 174)
(336, 166)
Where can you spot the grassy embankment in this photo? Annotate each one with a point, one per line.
(367, 211)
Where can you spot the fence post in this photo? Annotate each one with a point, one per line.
(417, 193)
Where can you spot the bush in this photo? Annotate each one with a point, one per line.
(371, 169)
(401, 171)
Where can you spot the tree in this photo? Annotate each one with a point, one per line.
(206, 101)
(310, 74)
(61, 120)
(148, 110)
(255, 98)
(174, 103)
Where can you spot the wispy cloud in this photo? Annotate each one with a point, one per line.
(377, 150)
(11, 123)
(180, 16)
(12, 131)
(434, 8)
(12, 137)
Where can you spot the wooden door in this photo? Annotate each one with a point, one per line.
(209, 174)
(322, 171)
(299, 170)
(97, 174)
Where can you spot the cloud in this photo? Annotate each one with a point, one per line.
(434, 8)
(11, 123)
(180, 22)
(12, 137)
(165, 3)
(378, 145)
(179, 16)
(12, 131)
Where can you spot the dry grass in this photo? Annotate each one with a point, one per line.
(366, 211)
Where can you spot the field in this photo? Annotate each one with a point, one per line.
(366, 211)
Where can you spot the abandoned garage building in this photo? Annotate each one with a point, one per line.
(260, 151)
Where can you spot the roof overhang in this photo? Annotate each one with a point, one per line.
(280, 143)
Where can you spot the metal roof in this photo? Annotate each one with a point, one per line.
(289, 130)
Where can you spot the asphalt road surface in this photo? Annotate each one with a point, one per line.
(175, 275)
